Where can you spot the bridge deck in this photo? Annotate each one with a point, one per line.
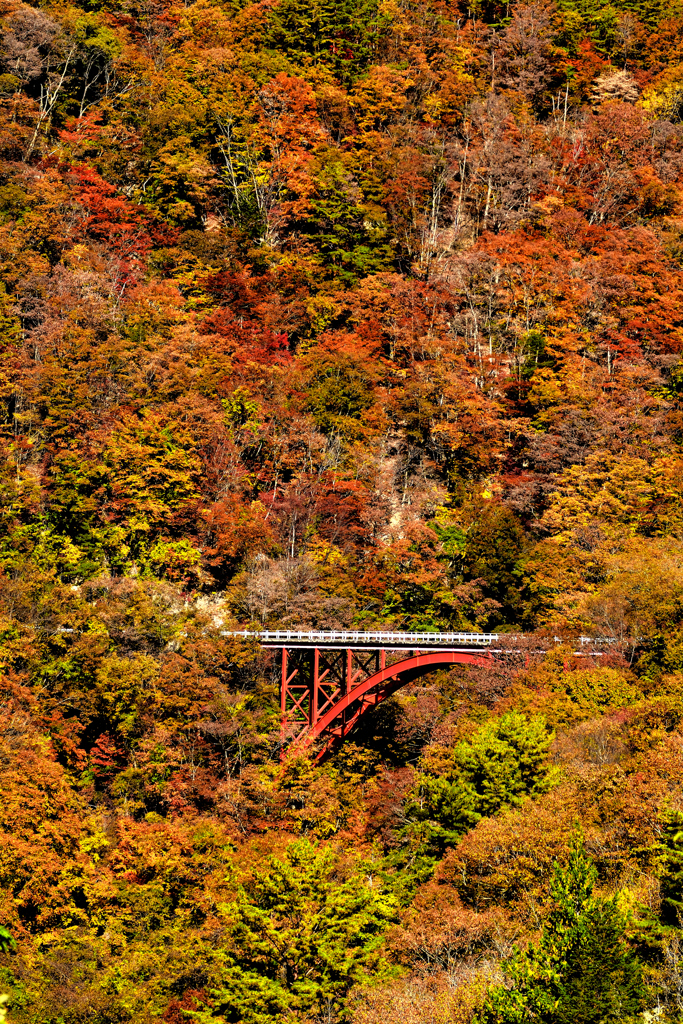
(373, 640)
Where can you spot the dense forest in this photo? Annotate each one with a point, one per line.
(340, 313)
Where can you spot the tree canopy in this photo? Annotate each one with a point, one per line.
(362, 314)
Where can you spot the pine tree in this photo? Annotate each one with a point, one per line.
(7, 943)
(505, 760)
(672, 871)
(300, 939)
(654, 930)
(341, 34)
(582, 971)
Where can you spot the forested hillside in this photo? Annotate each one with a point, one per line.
(334, 313)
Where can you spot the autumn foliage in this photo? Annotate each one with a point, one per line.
(327, 314)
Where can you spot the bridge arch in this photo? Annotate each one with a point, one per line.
(340, 717)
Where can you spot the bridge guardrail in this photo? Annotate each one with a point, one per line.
(284, 636)
(346, 636)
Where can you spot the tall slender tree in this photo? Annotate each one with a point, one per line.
(581, 971)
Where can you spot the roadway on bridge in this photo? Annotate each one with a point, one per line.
(373, 640)
(369, 640)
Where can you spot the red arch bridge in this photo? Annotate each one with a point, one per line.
(330, 679)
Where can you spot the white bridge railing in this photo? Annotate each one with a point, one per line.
(347, 636)
(376, 638)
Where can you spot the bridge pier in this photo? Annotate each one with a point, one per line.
(312, 680)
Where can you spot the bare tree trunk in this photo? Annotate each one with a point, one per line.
(48, 99)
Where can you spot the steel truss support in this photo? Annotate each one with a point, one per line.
(325, 692)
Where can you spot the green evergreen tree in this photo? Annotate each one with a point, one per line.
(340, 34)
(7, 943)
(350, 229)
(300, 939)
(446, 809)
(506, 760)
(671, 847)
(493, 550)
(339, 393)
(654, 929)
(582, 971)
